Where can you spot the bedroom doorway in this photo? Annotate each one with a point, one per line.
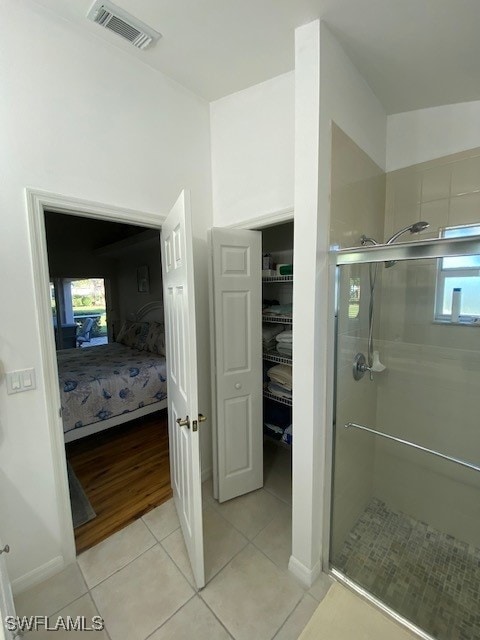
(102, 265)
(112, 379)
(177, 337)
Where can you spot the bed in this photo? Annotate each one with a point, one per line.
(107, 385)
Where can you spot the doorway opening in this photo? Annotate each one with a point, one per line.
(107, 328)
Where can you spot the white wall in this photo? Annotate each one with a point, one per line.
(127, 297)
(253, 151)
(426, 134)
(326, 80)
(84, 119)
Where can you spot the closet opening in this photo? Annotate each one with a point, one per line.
(277, 354)
(252, 284)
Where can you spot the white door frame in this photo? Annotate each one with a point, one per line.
(38, 202)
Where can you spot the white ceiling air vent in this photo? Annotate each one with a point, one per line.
(108, 15)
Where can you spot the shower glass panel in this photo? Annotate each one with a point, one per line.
(405, 522)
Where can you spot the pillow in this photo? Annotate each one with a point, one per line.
(155, 340)
(135, 335)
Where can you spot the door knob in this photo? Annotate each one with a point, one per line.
(238, 385)
(201, 417)
(183, 422)
(6, 549)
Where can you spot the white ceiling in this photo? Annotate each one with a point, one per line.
(412, 53)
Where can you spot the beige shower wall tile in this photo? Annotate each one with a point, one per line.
(404, 216)
(464, 209)
(357, 193)
(436, 183)
(436, 213)
(406, 186)
(466, 176)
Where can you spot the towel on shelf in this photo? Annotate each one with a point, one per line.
(270, 331)
(284, 348)
(271, 344)
(286, 336)
(279, 390)
(282, 375)
(279, 310)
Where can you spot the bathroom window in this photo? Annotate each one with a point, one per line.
(459, 273)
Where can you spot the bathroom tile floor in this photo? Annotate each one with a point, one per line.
(429, 577)
(140, 581)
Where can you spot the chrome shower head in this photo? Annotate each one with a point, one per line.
(419, 226)
(416, 227)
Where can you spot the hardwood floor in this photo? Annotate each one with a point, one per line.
(125, 473)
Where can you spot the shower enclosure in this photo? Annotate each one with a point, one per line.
(405, 498)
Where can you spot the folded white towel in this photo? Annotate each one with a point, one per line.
(282, 374)
(285, 336)
(271, 344)
(284, 348)
(279, 390)
(270, 330)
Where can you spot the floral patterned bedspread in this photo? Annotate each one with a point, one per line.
(97, 383)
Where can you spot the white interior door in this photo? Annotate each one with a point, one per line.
(237, 370)
(7, 607)
(181, 350)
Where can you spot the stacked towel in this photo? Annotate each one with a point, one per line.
(278, 310)
(281, 374)
(284, 343)
(279, 390)
(269, 333)
(280, 380)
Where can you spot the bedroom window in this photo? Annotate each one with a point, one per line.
(458, 282)
(89, 309)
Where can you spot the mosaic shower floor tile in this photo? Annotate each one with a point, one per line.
(427, 576)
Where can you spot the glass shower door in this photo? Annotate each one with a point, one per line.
(405, 517)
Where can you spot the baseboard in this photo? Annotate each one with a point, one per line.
(206, 474)
(306, 576)
(38, 575)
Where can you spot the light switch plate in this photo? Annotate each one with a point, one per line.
(18, 381)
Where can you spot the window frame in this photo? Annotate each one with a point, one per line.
(443, 274)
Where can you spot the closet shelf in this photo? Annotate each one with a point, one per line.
(272, 396)
(273, 318)
(272, 355)
(277, 279)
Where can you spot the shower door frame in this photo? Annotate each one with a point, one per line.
(433, 248)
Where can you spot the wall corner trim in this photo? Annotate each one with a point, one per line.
(304, 574)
